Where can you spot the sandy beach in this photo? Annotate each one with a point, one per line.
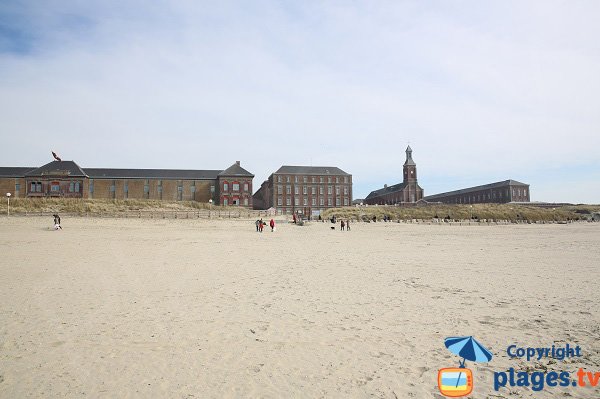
(210, 308)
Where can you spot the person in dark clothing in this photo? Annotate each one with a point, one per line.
(342, 225)
(257, 224)
(57, 225)
(348, 225)
(261, 225)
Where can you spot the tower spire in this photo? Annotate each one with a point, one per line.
(409, 160)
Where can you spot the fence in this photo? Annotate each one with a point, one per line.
(162, 214)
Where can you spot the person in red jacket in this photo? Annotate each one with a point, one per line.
(272, 224)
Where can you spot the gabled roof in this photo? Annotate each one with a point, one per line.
(311, 170)
(168, 174)
(504, 183)
(236, 170)
(386, 190)
(58, 168)
(14, 171)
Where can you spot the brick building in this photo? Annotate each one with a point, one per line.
(407, 192)
(307, 190)
(65, 179)
(499, 192)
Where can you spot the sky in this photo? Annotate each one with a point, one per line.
(482, 91)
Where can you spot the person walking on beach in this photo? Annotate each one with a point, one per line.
(342, 225)
(257, 224)
(295, 219)
(261, 225)
(57, 225)
(348, 225)
(272, 224)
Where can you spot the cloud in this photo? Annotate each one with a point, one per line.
(483, 91)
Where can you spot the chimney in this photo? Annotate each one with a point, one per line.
(237, 163)
(385, 186)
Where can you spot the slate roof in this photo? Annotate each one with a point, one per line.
(167, 174)
(236, 170)
(311, 170)
(14, 171)
(504, 183)
(68, 168)
(409, 160)
(386, 190)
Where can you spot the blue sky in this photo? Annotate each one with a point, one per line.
(483, 91)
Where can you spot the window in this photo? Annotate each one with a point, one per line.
(278, 179)
(305, 190)
(345, 190)
(329, 190)
(288, 189)
(329, 180)
(314, 190)
(305, 179)
(525, 192)
(321, 179)
(329, 201)
(245, 201)
(179, 188)
(337, 191)
(280, 189)
(224, 201)
(71, 187)
(126, 188)
(246, 186)
(76, 186)
(337, 179)
(225, 186)
(236, 186)
(38, 187)
(17, 187)
(287, 179)
(296, 190)
(212, 189)
(314, 201)
(321, 190)
(337, 201)
(91, 186)
(192, 189)
(345, 201)
(345, 179)
(146, 188)
(314, 179)
(296, 201)
(160, 189)
(305, 201)
(112, 188)
(279, 201)
(321, 201)
(295, 179)
(288, 201)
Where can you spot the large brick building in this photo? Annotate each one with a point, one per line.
(500, 192)
(307, 190)
(65, 179)
(407, 192)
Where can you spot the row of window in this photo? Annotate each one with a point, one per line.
(36, 187)
(235, 201)
(159, 188)
(500, 194)
(338, 201)
(313, 179)
(235, 186)
(313, 190)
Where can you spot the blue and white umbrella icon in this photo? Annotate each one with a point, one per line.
(469, 349)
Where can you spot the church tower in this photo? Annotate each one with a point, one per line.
(412, 191)
(410, 168)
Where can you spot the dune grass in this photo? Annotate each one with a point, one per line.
(508, 212)
(100, 206)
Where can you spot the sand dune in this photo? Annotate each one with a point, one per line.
(200, 309)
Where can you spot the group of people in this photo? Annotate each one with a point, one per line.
(260, 225)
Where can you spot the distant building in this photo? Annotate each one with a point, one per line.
(407, 192)
(65, 179)
(308, 190)
(500, 192)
